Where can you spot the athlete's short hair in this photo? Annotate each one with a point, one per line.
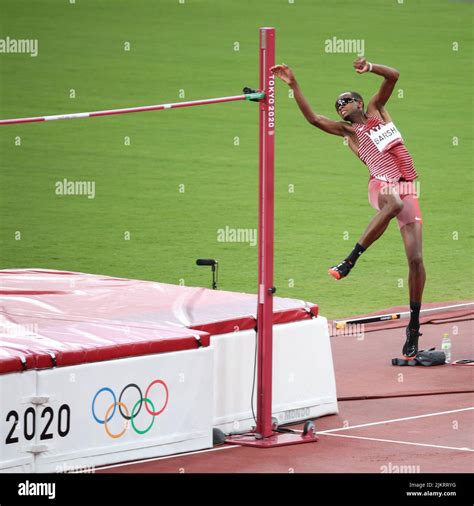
(356, 95)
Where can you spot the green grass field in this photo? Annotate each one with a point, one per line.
(191, 47)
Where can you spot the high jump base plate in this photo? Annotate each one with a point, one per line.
(276, 439)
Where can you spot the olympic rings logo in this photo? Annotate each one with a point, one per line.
(126, 414)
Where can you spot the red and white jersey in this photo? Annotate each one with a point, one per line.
(381, 148)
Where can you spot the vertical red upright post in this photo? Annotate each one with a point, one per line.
(266, 234)
(265, 434)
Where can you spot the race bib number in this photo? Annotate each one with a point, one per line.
(385, 136)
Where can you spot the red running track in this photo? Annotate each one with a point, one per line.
(391, 419)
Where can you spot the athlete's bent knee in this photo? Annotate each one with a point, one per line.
(393, 209)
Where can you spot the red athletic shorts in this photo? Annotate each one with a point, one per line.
(408, 191)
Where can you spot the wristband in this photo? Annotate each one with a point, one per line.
(370, 66)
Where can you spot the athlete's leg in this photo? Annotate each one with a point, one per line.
(390, 205)
(412, 239)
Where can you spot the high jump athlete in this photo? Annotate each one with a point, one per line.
(374, 139)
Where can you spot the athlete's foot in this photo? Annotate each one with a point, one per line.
(410, 348)
(340, 270)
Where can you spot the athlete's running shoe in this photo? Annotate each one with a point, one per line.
(340, 270)
(410, 348)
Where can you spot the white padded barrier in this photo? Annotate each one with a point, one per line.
(61, 412)
(303, 375)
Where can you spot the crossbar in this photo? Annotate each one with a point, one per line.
(145, 108)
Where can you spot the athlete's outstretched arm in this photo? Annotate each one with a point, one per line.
(390, 76)
(327, 125)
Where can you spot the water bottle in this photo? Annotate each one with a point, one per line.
(446, 346)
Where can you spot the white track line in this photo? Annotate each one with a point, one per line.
(395, 420)
(132, 463)
(400, 442)
(324, 432)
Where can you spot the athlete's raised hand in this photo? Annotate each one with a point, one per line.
(284, 73)
(361, 65)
